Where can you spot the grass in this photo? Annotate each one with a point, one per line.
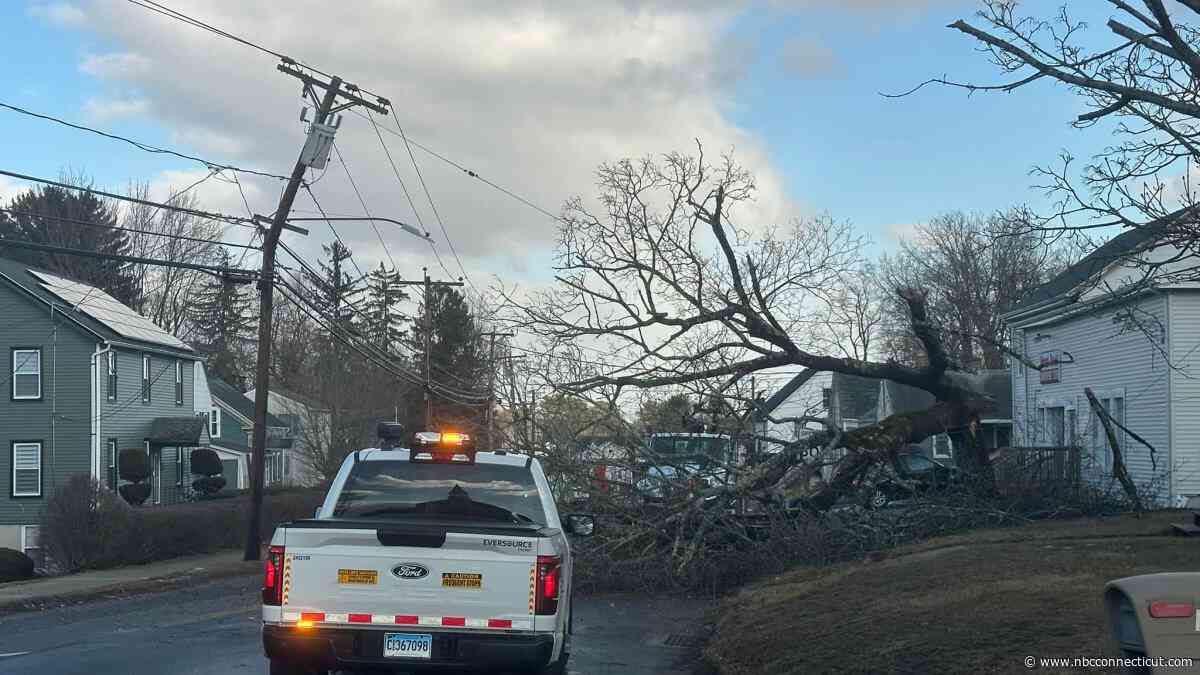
(977, 602)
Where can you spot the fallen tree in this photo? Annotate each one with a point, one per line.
(673, 294)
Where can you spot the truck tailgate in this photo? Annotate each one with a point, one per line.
(395, 574)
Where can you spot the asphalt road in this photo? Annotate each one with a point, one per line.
(213, 628)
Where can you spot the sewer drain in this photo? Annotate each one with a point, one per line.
(680, 640)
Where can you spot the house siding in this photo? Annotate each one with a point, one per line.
(1184, 342)
(807, 400)
(1113, 362)
(128, 418)
(60, 419)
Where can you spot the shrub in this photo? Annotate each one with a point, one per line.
(84, 525)
(209, 485)
(206, 462)
(14, 565)
(135, 493)
(134, 465)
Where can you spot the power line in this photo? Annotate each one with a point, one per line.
(336, 236)
(88, 223)
(411, 204)
(361, 201)
(212, 269)
(424, 187)
(235, 220)
(447, 393)
(153, 149)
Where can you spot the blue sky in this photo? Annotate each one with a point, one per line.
(835, 144)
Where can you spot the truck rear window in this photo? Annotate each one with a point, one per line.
(399, 489)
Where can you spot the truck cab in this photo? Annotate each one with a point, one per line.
(429, 557)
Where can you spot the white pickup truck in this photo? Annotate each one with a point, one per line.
(430, 558)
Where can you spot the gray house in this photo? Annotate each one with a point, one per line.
(230, 427)
(851, 401)
(1134, 342)
(86, 376)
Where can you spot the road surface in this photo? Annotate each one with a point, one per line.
(213, 629)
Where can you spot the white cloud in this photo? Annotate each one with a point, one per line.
(808, 57)
(529, 95)
(9, 189)
(903, 231)
(115, 65)
(60, 13)
(104, 109)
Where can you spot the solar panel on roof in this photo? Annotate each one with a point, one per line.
(108, 310)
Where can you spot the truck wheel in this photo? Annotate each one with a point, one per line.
(281, 667)
(559, 667)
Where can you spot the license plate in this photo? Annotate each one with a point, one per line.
(358, 576)
(461, 580)
(407, 645)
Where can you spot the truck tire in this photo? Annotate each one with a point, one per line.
(281, 667)
(559, 667)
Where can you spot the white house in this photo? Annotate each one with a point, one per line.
(309, 425)
(1134, 342)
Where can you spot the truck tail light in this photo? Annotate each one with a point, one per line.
(272, 591)
(1165, 609)
(549, 577)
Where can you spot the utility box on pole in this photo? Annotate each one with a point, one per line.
(315, 153)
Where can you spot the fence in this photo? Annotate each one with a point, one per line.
(1057, 467)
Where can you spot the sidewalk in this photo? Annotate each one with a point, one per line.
(36, 594)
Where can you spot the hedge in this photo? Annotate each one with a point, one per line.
(206, 462)
(14, 565)
(134, 536)
(133, 464)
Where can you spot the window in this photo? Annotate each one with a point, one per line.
(214, 422)
(1051, 368)
(943, 447)
(917, 463)
(1101, 450)
(178, 382)
(111, 381)
(145, 378)
(396, 489)
(112, 464)
(155, 458)
(1051, 426)
(26, 374)
(179, 467)
(287, 465)
(31, 544)
(827, 398)
(27, 469)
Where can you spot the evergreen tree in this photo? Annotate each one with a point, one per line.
(44, 216)
(223, 319)
(457, 359)
(384, 293)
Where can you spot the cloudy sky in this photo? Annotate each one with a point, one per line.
(532, 96)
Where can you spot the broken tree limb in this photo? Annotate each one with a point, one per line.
(1118, 463)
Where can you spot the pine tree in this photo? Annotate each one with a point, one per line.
(223, 319)
(457, 359)
(384, 293)
(337, 293)
(45, 215)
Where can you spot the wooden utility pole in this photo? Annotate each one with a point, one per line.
(490, 413)
(428, 321)
(315, 153)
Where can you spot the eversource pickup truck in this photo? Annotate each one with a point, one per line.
(430, 558)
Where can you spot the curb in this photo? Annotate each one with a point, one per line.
(144, 586)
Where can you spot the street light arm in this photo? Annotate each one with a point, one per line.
(404, 226)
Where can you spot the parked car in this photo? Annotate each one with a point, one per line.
(909, 475)
(436, 556)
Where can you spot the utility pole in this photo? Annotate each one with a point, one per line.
(490, 413)
(314, 154)
(429, 336)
